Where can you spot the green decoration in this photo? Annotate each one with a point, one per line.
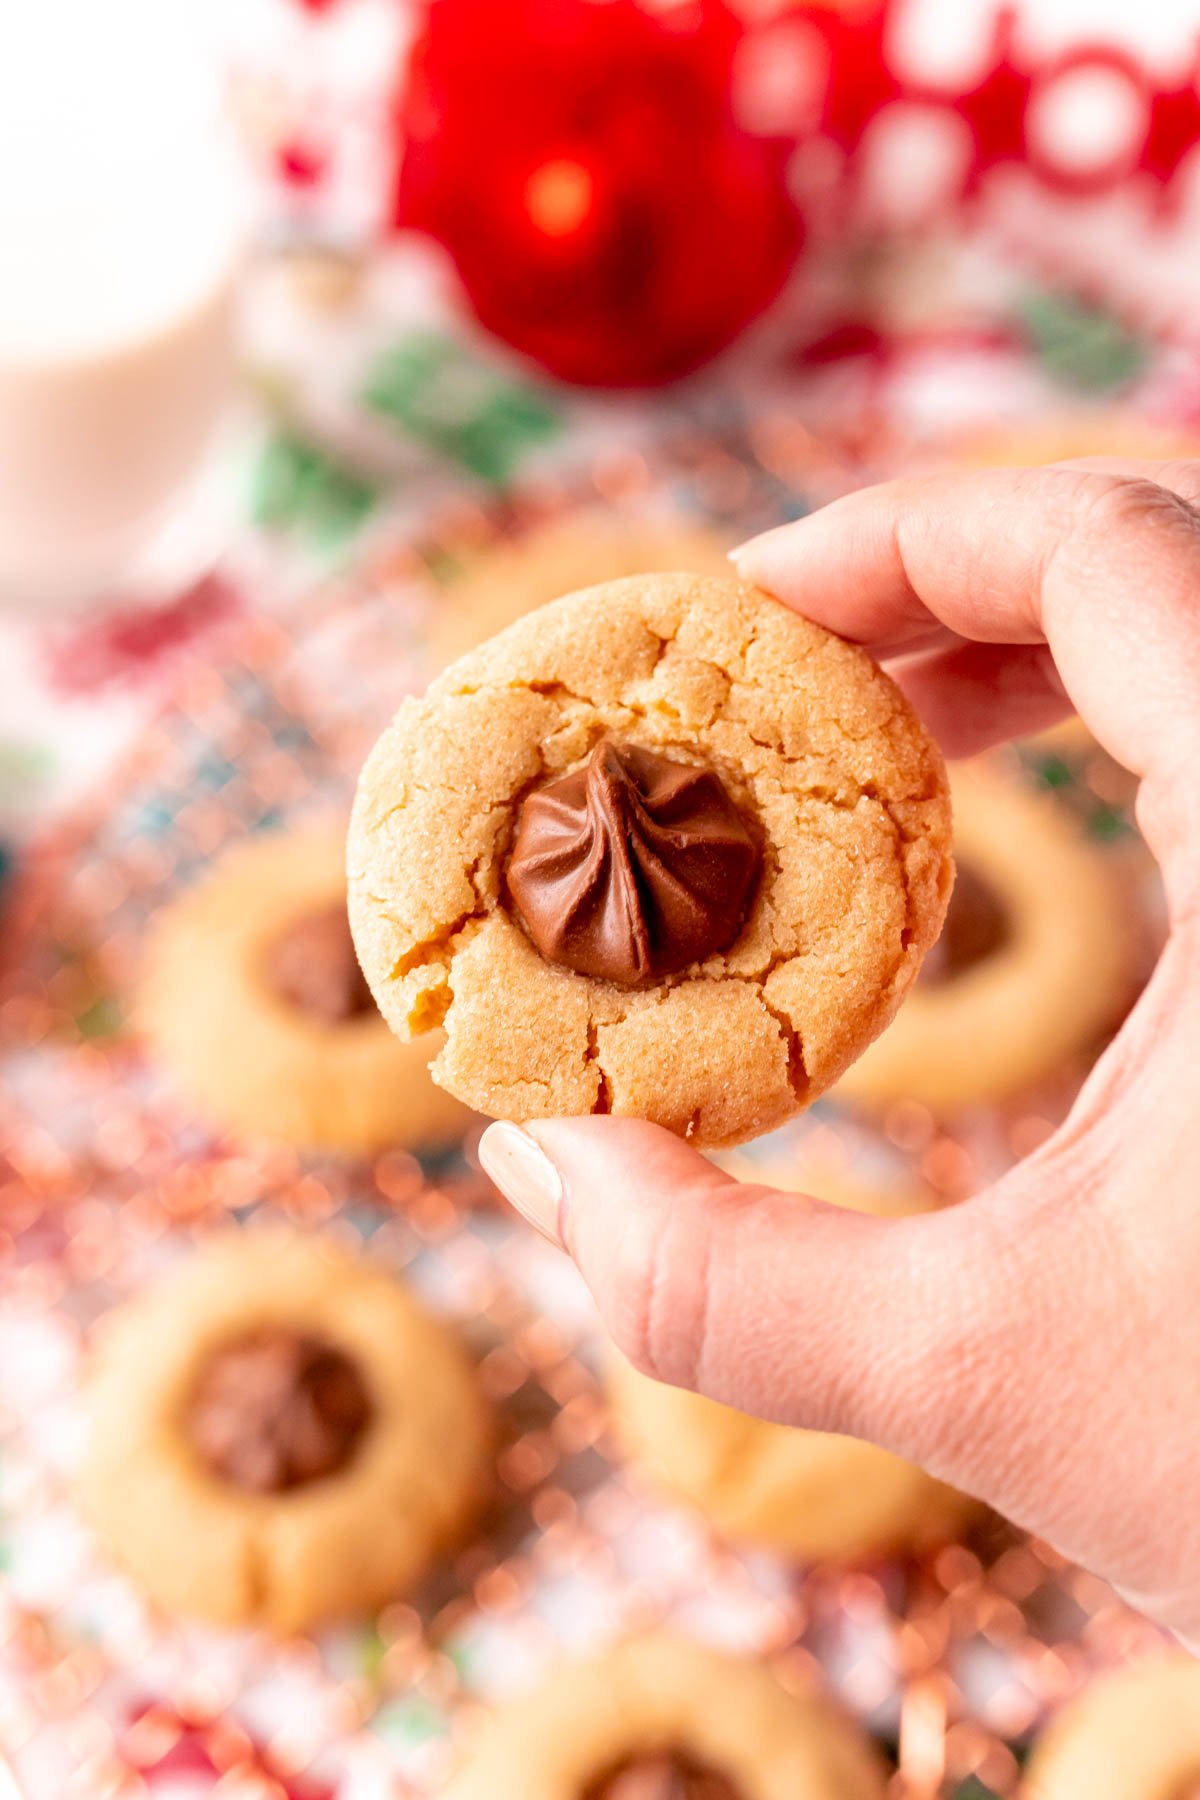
(1053, 772)
(1107, 823)
(22, 765)
(439, 393)
(409, 1722)
(102, 1019)
(461, 1657)
(1081, 346)
(300, 486)
(372, 1648)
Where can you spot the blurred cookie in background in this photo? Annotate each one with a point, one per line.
(661, 1718)
(806, 1494)
(557, 557)
(1133, 1734)
(1070, 738)
(253, 1002)
(1034, 965)
(279, 1434)
(1102, 432)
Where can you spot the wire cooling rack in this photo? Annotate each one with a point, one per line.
(950, 1660)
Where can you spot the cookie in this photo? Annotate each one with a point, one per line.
(660, 1718)
(1032, 967)
(279, 1435)
(662, 848)
(1096, 433)
(252, 999)
(1132, 1735)
(557, 557)
(805, 1494)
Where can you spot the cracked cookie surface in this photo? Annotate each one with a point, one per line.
(202, 1545)
(809, 739)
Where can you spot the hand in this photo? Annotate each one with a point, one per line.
(1039, 1345)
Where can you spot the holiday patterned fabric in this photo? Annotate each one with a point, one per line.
(917, 231)
(986, 217)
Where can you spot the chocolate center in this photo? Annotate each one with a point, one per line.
(312, 966)
(977, 926)
(662, 1775)
(632, 866)
(275, 1409)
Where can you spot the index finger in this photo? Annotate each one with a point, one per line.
(1103, 567)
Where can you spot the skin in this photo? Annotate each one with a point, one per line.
(1040, 1345)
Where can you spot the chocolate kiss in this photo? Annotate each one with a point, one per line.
(977, 927)
(666, 1775)
(632, 866)
(276, 1409)
(312, 966)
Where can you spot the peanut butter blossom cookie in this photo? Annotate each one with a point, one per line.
(1133, 1735)
(253, 1000)
(661, 848)
(1071, 435)
(1031, 969)
(659, 1718)
(279, 1434)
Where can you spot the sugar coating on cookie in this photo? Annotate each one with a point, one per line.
(659, 1704)
(813, 745)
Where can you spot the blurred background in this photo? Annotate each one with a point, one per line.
(333, 335)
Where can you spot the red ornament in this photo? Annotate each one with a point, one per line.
(582, 163)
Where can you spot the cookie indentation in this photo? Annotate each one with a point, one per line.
(312, 966)
(277, 1409)
(663, 1775)
(978, 925)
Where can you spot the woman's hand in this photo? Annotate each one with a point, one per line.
(1038, 1346)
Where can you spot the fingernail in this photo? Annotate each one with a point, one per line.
(741, 551)
(525, 1176)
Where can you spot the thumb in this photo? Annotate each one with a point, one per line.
(771, 1302)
